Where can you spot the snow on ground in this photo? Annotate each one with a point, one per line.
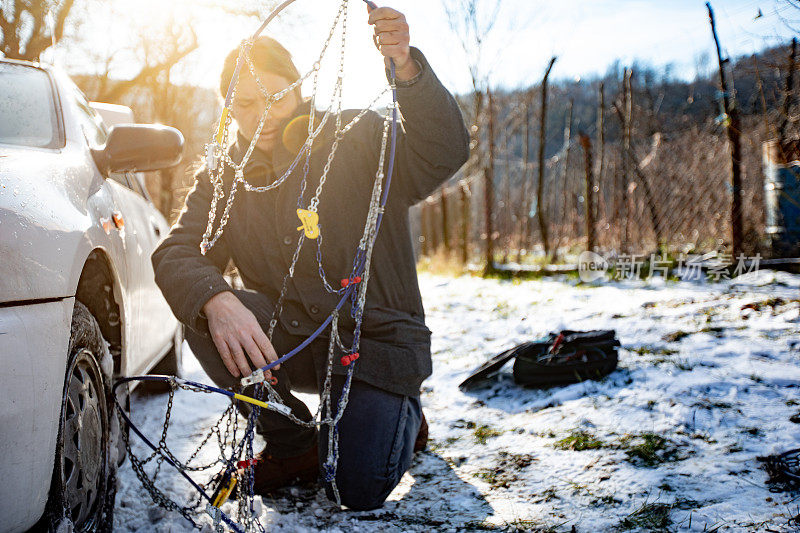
(706, 383)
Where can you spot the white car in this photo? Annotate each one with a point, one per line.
(78, 302)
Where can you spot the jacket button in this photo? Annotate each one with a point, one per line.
(287, 240)
(314, 309)
(295, 324)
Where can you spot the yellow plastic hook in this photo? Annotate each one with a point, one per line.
(310, 222)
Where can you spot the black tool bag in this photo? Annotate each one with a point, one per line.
(558, 359)
(570, 357)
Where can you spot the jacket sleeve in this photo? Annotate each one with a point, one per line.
(435, 141)
(187, 278)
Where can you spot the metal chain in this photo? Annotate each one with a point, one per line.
(207, 241)
(231, 447)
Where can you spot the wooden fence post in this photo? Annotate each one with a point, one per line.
(525, 237)
(564, 168)
(588, 191)
(542, 141)
(626, 147)
(488, 193)
(733, 127)
(601, 147)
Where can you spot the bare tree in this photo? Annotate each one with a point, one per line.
(29, 27)
(472, 21)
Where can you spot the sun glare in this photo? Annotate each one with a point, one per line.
(303, 28)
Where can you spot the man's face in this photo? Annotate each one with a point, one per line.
(249, 105)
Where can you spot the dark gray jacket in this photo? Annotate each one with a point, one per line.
(261, 234)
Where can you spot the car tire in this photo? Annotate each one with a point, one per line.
(83, 487)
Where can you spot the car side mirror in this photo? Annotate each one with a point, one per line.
(139, 147)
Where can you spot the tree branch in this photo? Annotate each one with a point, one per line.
(149, 71)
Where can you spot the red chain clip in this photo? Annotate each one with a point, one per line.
(346, 281)
(347, 359)
(246, 463)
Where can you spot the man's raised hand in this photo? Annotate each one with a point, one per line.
(392, 39)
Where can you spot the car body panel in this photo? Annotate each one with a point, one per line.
(30, 404)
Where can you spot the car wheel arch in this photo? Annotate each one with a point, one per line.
(100, 290)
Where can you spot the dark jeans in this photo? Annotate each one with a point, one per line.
(376, 432)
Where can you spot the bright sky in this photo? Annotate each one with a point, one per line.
(586, 35)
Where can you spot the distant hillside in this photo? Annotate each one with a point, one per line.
(661, 103)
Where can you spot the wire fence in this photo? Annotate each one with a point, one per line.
(669, 192)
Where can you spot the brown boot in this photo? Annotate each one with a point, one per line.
(272, 473)
(422, 437)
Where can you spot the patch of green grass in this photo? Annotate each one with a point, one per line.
(489, 475)
(653, 350)
(717, 331)
(481, 526)
(773, 302)
(754, 431)
(675, 336)
(521, 524)
(712, 404)
(650, 516)
(607, 499)
(515, 460)
(708, 314)
(705, 437)
(505, 471)
(483, 433)
(579, 440)
(437, 445)
(547, 495)
(518, 525)
(502, 310)
(648, 449)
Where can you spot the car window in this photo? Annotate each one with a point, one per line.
(133, 184)
(27, 109)
(121, 178)
(137, 184)
(90, 120)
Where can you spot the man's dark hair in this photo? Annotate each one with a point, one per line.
(268, 55)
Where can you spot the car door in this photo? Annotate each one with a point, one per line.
(156, 320)
(149, 328)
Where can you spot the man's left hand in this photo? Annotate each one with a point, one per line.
(392, 39)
